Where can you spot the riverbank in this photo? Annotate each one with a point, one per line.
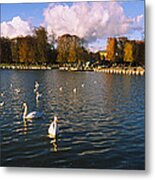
(110, 70)
(122, 70)
(29, 67)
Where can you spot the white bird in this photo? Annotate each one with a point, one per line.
(53, 128)
(60, 88)
(1, 103)
(82, 85)
(17, 90)
(2, 94)
(31, 115)
(38, 95)
(95, 82)
(11, 85)
(74, 90)
(36, 86)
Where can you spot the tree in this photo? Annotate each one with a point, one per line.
(41, 44)
(70, 49)
(5, 50)
(111, 49)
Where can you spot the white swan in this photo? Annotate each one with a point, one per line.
(53, 128)
(36, 86)
(1, 103)
(31, 115)
(82, 85)
(74, 90)
(60, 88)
(17, 90)
(2, 94)
(38, 95)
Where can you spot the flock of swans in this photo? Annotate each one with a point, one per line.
(53, 129)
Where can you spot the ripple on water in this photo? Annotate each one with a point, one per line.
(101, 125)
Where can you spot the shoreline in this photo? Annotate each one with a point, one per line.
(109, 70)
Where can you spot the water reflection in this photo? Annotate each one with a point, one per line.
(54, 143)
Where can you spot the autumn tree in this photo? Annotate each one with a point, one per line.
(134, 52)
(70, 49)
(5, 50)
(111, 49)
(41, 44)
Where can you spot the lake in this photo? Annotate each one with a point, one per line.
(101, 125)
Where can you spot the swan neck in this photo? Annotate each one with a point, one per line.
(25, 111)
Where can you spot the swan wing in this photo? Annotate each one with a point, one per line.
(53, 130)
(34, 115)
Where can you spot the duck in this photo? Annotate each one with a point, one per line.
(53, 129)
(31, 115)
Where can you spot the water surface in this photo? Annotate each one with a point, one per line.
(101, 125)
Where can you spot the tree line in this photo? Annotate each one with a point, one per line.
(67, 49)
(37, 49)
(28, 50)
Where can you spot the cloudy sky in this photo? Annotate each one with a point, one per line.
(93, 21)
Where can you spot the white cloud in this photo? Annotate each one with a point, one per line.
(16, 27)
(89, 20)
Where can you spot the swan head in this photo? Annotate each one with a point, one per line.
(56, 119)
(24, 105)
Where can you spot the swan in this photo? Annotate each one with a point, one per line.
(38, 95)
(74, 90)
(60, 88)
(1, 103)
(36, 86)
(53, 128)
(31, 115)
(2, 94)
(82, 85)
(17, 90)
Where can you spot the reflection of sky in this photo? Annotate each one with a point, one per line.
(33, 13)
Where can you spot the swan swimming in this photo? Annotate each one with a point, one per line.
(31, 115)
(60, 88)
(74, 90)
(53, 128)
(36, 86)
(38, 95)
(1, 104)
(17, 90)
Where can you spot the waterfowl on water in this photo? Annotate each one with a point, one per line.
(1, 103)
(36, 86)
(82, 85)
(17, 90)
(31, 115)
(74, 90)
(53, 129)
(38, 95)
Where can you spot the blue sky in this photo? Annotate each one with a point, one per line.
(33, 13)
